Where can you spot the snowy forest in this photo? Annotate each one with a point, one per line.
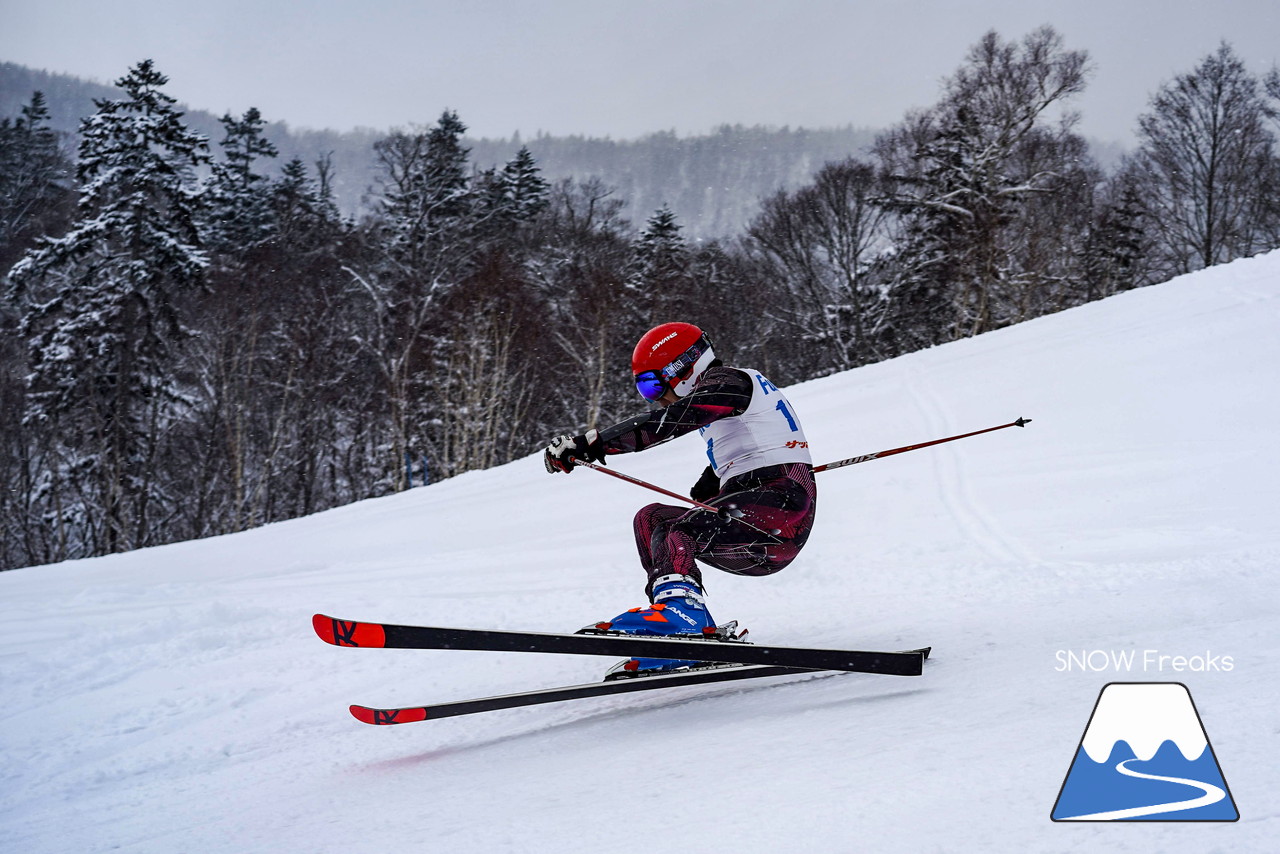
(712, 182)
(198, 340)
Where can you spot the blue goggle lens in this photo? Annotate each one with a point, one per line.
(650, 385)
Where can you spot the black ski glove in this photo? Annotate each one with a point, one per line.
(707, 487)
(564, 452)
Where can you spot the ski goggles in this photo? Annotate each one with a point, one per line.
(651, 385)
(654, 384)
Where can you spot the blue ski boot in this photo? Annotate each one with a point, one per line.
(679, 608)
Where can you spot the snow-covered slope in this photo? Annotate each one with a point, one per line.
(175, 699)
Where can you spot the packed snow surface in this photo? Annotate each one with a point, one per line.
(176, 699)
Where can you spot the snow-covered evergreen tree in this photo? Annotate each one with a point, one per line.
(427, 197)
(1117, 244)
(102, 317)
(658, 275)
(302, 208)
(963, 170)
(524, 187)
(35, 192)
(507, 198)
(237, 209)
(428, 225)
(947, 218)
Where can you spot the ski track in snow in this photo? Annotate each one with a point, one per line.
(953, 481)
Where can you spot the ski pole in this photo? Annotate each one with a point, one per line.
(729, 511)
(722, 511)
(1021, 422)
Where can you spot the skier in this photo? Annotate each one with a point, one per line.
(760, 473)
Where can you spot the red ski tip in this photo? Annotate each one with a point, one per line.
(383, 717)
(348, 632)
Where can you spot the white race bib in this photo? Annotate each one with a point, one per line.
(766, 434)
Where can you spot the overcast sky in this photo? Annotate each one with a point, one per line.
(619, 68)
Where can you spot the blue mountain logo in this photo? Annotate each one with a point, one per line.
(1145, 756)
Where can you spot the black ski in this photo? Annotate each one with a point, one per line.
(713, 673)
(700, 676)
(358, 634)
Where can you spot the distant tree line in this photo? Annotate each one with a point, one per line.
(197, 341)
(712, 182)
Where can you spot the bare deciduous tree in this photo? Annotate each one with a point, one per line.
(821, 237)
(1204, 148)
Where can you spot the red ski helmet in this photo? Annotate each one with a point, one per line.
(673, 357)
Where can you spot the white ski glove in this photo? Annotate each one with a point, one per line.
(565, 452)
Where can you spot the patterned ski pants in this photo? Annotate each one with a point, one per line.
(781, 498)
